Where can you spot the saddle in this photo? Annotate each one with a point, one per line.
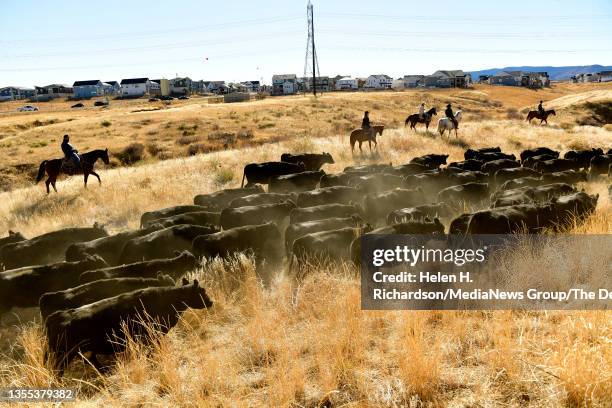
(68, 167)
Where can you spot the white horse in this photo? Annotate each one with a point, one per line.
(447, 124)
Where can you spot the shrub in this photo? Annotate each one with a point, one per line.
(245, 134)
(131, 154)
(106, 123)
(197, 148)
(266, 125)
(153, 149)
(187, 140)
(513, 113)
(223, 176)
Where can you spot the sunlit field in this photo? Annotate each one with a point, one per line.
(304, 341)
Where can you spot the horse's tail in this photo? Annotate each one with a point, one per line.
(353, 140)
(406, 122)
(41, 171)
(243, 176)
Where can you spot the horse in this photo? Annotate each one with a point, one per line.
(542, 116)
(446, 124)
(56, 166)
(416, 118)
(358, 135)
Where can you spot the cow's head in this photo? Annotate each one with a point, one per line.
(327, 158)
(195, 295)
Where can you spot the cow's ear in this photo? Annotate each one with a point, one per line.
(196, 283)
(185, 281)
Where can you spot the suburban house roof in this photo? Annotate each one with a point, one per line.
(605, 73)
(111, 82)
(283, 77)
(21, 88)
(157, 81)
(347, 79)
(86, 83)
(449, 73)
(54, 86)
(134, 81)
(380, 76)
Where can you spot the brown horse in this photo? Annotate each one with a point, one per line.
(543, 117)
(358, 135)
(416, 118)
(56, 166)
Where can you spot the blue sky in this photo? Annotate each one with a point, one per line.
(66, 40)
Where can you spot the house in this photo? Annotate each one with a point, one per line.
(111, 87)
(398, 83)
(180, 86)
(380, 81)
(412, 81)
(217, 87)
(347, 84)
(46, 93)
(136, 87)
(605, 76)
(448, 79)
(484, 79)
(285, 84)
(535, 79)
(323, 83)
(87, 89)
(507, 78)
(250, 86)
(12, 93)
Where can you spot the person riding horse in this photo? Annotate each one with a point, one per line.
(541, 109)
(70, 153)
(422, 111)
(449, 114)
(365, 124)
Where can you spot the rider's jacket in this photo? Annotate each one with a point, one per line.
(67, 148)
(365, 123)
(449, 113)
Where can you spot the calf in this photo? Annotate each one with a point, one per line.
(261, 173)
(200, 218)
(102, 327)
(538, 151)
(23, 287)
(163, 243)
(221, 199)
(46, 248)
(431, 161)
(94, 291)
(472, 193)
(312, 161)
(320, 212)
(298, 230)
(262, 198)
(419, 212)
(264, 241)
(378, 206)
(298, 182)
(175, 267)
(148, 218)
(256, 214)
(329, 195)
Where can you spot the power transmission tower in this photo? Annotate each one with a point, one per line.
(311, 66)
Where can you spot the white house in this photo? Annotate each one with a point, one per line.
(347, 84)
(137, 86)
(285, 84)
(412, 81)
(379, 82)
(605, 76)
(398, 83)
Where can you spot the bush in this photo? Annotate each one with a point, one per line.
(106, 123)
(223, 176)
(153, 149)
(513, 113)
(197, 148)
(131, 154)
(187, 140)
(245, 134)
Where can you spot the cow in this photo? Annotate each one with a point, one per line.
(324, 211)
(192, 218)
(470, 164)
(298, 182)
(419, 212)
(312, 161)
(333, 245)
(13, 237)
(503, 175)
(109, 248)
(459, 225)
(148, 218)
(409, 169)
(432, 161)
(578, 205)
(522, 182)
(567, 176)
(473, 154)
(494, 165)
(600, 165)
(220, 199)
(556, 165)
(47, 248)
(582, 157)
(530, 218)
(175, 267)
(378, 206)
(263, 241)
(531, 161)
(538, 151)
(163, 243)
(100, 327)
(376, 182)
(261, 173)
(369, 168)
(261, 198)
(472, 193)
(527, 194)
(298, 230)
(329, 195)
(487, 157)
(23, 287)
(256, 214)
(94, 291)
(339, 179)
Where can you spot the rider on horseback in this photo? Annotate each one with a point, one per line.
(541, 110)
(70, 152)
(449, 114)
(365, 124)
(422, 111)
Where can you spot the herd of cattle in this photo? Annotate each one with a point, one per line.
(88, 283)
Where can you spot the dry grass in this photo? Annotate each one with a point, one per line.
(306, 342)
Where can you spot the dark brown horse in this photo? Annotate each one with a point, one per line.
(56, 166)
(541, 116)
(416, 118)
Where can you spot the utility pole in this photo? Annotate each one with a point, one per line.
(311, 51)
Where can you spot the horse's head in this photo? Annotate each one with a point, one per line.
(105, 156)
(458, 115)
(433, 112)
(552, 112)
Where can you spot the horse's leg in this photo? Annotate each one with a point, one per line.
(53, 184)
(360, 149)
(96, 174)
(47, 182)
(85, 177)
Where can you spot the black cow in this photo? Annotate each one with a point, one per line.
(531, 161)
(582, 157)
(378, 206)
(320, 212)
(569, 207)
(175, 267)
(473, 154)
(494, 165)
(262, 198)
(298, 230)
(94, 291)
(600, 165)
(99, 327)
(470, 164)
(377, 182)
(329, 195)
(148, 218)
(339, 179)
(192, 218)
(298, 182)
(23, 287)
(530, 218)
(163, 243)
(261, 173)
(431, 161)
(369, 168)
(264, 241)
(472, 193)
(556, 165)
(538, 151)
(503, 175)
(221, 199)
(487, 157)
(459, 225)
(409, 169)
(12, 238)
(419, 212)
(334, 245)
(527, 194)
(522, 182)
(567, 176)
(256, 214)
(46, 248)
(312, 161)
